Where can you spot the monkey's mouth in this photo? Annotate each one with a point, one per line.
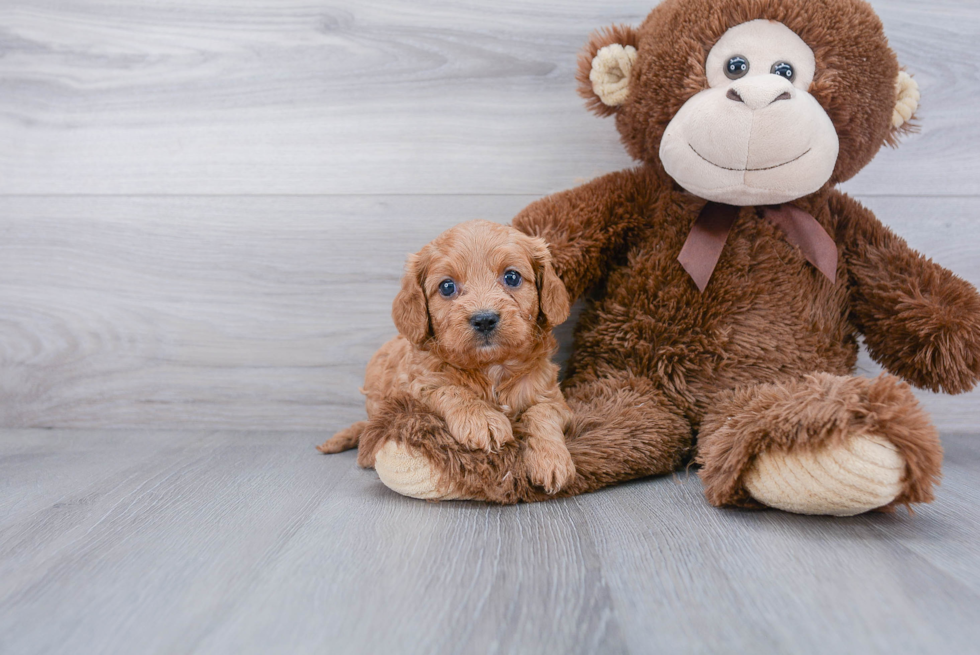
(746, 170)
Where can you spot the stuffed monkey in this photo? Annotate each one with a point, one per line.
(727, 279)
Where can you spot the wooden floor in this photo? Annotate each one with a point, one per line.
(204, 212)
(248, 542)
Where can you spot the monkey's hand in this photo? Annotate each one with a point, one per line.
(919, 320)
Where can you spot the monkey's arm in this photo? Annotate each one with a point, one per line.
(919, 320)
(588, 225)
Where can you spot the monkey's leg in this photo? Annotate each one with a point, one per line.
(823, 444)
(415, 455)
(621, 429)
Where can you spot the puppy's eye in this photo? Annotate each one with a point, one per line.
(782, 69)
(736, 67)
(447, 288)
(512, 278)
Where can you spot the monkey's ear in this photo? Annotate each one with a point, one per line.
(604, 68)
(410, 310)
(552, 296)
(906, 103)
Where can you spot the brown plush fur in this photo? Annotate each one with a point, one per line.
(600, 438)
(478, 383)
(624, 35)
(817, 410)
(762, 358)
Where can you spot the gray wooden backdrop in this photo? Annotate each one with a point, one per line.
(205, 206)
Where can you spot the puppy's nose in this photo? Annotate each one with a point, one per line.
(485, 322)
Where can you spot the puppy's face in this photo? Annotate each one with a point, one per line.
(481, 293)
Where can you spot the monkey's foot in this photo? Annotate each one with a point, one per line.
(862, 474)
(821, 444)
(410, 474)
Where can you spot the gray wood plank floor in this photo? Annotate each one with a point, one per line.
(246, 542)
(204, 211)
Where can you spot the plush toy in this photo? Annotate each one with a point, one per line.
(727, 280)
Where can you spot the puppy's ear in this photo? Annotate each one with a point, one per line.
(552, 296)
(410, 310)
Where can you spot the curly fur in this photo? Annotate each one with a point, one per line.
(480, 385)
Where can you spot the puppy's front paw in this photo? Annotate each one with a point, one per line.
(480, 428)
(500, 429)
(549, 464)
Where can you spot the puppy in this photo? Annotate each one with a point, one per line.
(474, 314)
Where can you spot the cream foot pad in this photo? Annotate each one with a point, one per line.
(865, 473)
(409, 474)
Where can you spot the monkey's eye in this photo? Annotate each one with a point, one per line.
(447, 288)
(736, 67)
(782, 69)
(512, 278)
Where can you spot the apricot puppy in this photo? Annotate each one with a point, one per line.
(474, 314)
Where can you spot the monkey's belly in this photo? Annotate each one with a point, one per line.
(757, 329)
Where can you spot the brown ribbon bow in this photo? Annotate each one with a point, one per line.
(704, 244)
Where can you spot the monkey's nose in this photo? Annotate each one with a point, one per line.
(760, 91)
(485, 322)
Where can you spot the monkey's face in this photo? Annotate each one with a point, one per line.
(755, 135)
(751, 103)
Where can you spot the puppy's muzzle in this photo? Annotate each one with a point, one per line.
(485, 322)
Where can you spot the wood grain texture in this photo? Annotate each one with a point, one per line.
(259, 313)
(251, 542)
(244, 312)
(204, 211)
(382, 96)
